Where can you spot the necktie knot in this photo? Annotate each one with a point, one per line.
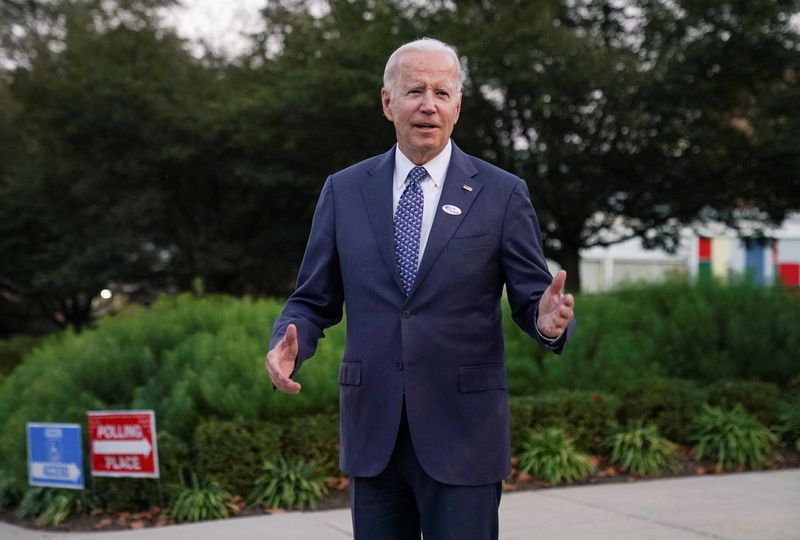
(417, 174)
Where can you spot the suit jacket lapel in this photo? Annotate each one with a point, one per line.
(376, 189)
(461, 171)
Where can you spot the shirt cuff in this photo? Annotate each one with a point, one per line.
(546, 339)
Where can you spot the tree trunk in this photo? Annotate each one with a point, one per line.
(569, 260)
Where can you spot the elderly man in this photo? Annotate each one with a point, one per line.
(419, 243)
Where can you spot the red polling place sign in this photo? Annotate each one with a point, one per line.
(123, 443)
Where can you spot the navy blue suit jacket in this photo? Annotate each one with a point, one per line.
(442, 345)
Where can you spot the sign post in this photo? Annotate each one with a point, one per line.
(55, 457)
(123, 443)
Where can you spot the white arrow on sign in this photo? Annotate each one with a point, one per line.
(55, 471)
(122, 448)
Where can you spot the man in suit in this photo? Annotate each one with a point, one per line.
(419, 243)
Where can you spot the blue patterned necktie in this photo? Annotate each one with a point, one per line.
(407, 225)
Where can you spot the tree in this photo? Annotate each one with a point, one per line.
(73, 214)
(634, 118)
(627, 119)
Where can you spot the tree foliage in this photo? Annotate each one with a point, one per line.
(127, 161)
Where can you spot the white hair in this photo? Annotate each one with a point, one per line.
(421, 45)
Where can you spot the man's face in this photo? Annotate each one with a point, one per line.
(424, 105)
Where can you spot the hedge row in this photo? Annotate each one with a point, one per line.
(195, 360)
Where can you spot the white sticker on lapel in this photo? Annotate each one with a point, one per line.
(452, 210)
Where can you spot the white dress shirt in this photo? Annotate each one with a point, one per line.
(431, 188)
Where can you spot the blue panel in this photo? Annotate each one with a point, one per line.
(55, 455)
(754, 261)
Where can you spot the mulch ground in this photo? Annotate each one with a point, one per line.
(337, 496)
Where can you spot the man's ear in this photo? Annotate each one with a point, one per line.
(386, 99)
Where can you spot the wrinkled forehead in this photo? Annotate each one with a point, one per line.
(434, 68)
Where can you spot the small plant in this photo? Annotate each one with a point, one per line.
(550, 455)
(640, 449)
(289, 484)
(732, 438)
(200, 501)
(49, 507)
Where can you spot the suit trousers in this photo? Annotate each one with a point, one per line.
(403, 501)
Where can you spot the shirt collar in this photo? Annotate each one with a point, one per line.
(437, 167)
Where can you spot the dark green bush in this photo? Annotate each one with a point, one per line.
(704, 332)
(732, 438)
(586, 416)
(549, 454)
(188, 358)
(614, 345)
(788, 426)
(173, 457)
(761, 399)
(521, 411)
(13, 350)
(313, 438)
(126, 494)
(231, 454)
(669, 404)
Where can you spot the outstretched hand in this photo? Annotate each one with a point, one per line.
(281, 360)
(555, 308)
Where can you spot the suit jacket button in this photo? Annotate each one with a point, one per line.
(405, 314)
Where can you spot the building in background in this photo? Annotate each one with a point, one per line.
(716, 251)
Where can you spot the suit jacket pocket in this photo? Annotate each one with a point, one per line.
(480, 378)
(470, 242)
(350, 373)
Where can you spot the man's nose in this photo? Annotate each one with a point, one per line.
(428, 102)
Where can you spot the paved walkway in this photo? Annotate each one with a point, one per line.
(748, 506)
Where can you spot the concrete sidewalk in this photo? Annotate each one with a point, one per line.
(747, 506)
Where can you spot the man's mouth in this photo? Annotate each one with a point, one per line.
(425, 126)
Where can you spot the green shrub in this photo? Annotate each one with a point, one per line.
(640, 449)
(586, 416)
(49, 507)
(126, 494)
(8, 497)
(230, 453)
(290, 484)
(732, 438)
(615, 345)
(173, 457)
(550, 455)
(761, 399)
(521, 412)
(14, 349)
(788, 426)
(669, 404)
(313, 438)
(200, 501)
(190, 359)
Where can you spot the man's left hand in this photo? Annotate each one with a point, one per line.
(555, 308)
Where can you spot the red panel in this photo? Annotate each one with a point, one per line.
(789, 274)
(123, 443)
(705, 249)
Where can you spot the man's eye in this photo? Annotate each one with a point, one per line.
(414, 91)
(443, 93)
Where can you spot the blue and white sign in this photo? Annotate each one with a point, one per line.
(55, 455)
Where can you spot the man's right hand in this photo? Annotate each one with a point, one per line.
(281, 360)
